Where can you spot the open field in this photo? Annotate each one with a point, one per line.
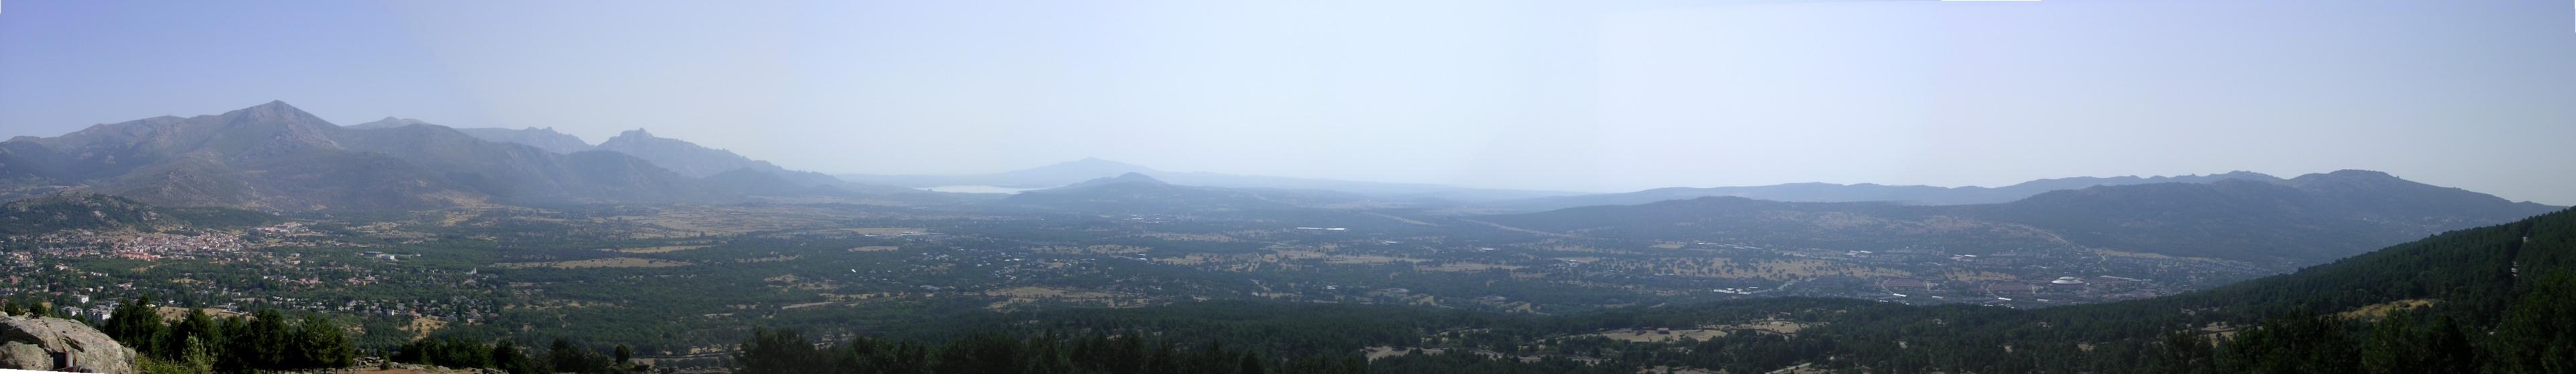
(1465, 266)
(663, 249)
(611, 262)
(2375, 311)
(1658, 335)
(420, 327)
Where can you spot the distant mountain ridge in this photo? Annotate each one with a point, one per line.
(694, 160)
(542, 138)
(545, 138)
(1829, 192)
(2303, 220)
(1065, 173)
(279, 158)
(680, 156)
(1134, 193)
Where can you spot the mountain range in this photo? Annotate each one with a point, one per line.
(275, 157)
(1077, 171)
(279, 158)
(2303, 220)
(1830, 192)
(1133, 193)
(542, 138)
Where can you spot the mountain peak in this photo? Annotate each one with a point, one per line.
(272, 109)
(638, 133)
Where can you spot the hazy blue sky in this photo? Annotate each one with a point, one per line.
(1549, 95)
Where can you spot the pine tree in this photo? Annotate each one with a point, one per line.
(261, 342)
(777, 351)
(198, 355)
(507, 356)
(2392, 347)
(320, 343)
(135, 324)
(196, 331)
(2539, 335)
(2446, 348)
(235, 351)
(1251, 364)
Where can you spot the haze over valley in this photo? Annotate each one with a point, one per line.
(1625, 187)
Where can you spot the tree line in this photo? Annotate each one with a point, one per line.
(561, 357)
(2537, 336)
(200, 343)
(770, 351)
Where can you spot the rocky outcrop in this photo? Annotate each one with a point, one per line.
(55, 344)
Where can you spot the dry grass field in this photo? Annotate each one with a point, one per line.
(1782, 270)
(2375, 311)
(611, 262)
(1464, 267)
(1774, 326)
(693, 220)
(420, 327)
(1030, 295)
(1368, 259)
(1976, 276)
(1658, 335)
(664, 249)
